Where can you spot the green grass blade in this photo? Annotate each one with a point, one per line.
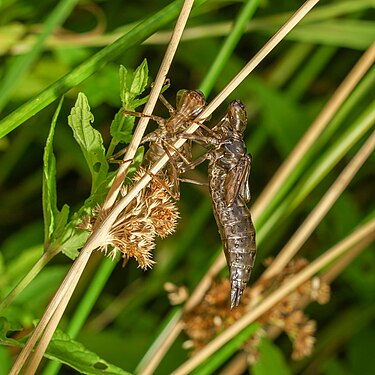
(228, 46)
(215, 361)
(363, 89)
(22, 64)
(134, 37)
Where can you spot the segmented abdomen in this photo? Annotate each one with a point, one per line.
(236, 231)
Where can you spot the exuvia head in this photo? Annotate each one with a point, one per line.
(237, 116)
(193, 99)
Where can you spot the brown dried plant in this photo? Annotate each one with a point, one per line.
(212, 316)
(152, 213)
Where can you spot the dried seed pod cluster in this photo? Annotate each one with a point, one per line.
(211, 317)
(151, 214)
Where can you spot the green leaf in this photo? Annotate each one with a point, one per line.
(271, 360)
(123, 72)
(122, 128)
(89, 140)
(60, 221)
(6, 327)
(65, 350)
(72, 353)
(140, 79)
(49, 194)
(217, 359)
(130, 88)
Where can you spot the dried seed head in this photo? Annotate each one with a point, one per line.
(287, 315)
(151, 213)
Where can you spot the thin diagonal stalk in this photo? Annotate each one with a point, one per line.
(249, 67)
(316, 128)
(76, 270)
(86, 304)
(229, 44)
(57, 306)
(255, 61)
(132, 38)
(332, 272)
(321, 209)
(149, 107)
(275, 297)
(22, 64)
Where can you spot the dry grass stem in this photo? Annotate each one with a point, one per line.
(209, 109)
(149, 107)
(316, 128)
(67, 287)
(276, 296)
(332, 272)
(175, 330)
(355, 75)
(257, 59)
(321, 209)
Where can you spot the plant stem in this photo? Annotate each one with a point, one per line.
(132, 38)
(229, 45)
(86, 304)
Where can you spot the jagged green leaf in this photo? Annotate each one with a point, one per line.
(49, 194)
(65, 350)
(89, 140)
(140, 80)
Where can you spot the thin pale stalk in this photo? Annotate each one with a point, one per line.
(175, 329)
(38, 266)
(85, 306)
(257, 59)
(321, 209)
(231, 41)
(51, 327)
(276, 296)
(149, 107)
(210, 108)
(332, 272)
(56, 309)
(316, 128)
(65, 287)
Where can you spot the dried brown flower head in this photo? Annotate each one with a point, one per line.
(212, 316)
(152, 213)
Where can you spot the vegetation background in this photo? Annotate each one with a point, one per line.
(283, 96)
